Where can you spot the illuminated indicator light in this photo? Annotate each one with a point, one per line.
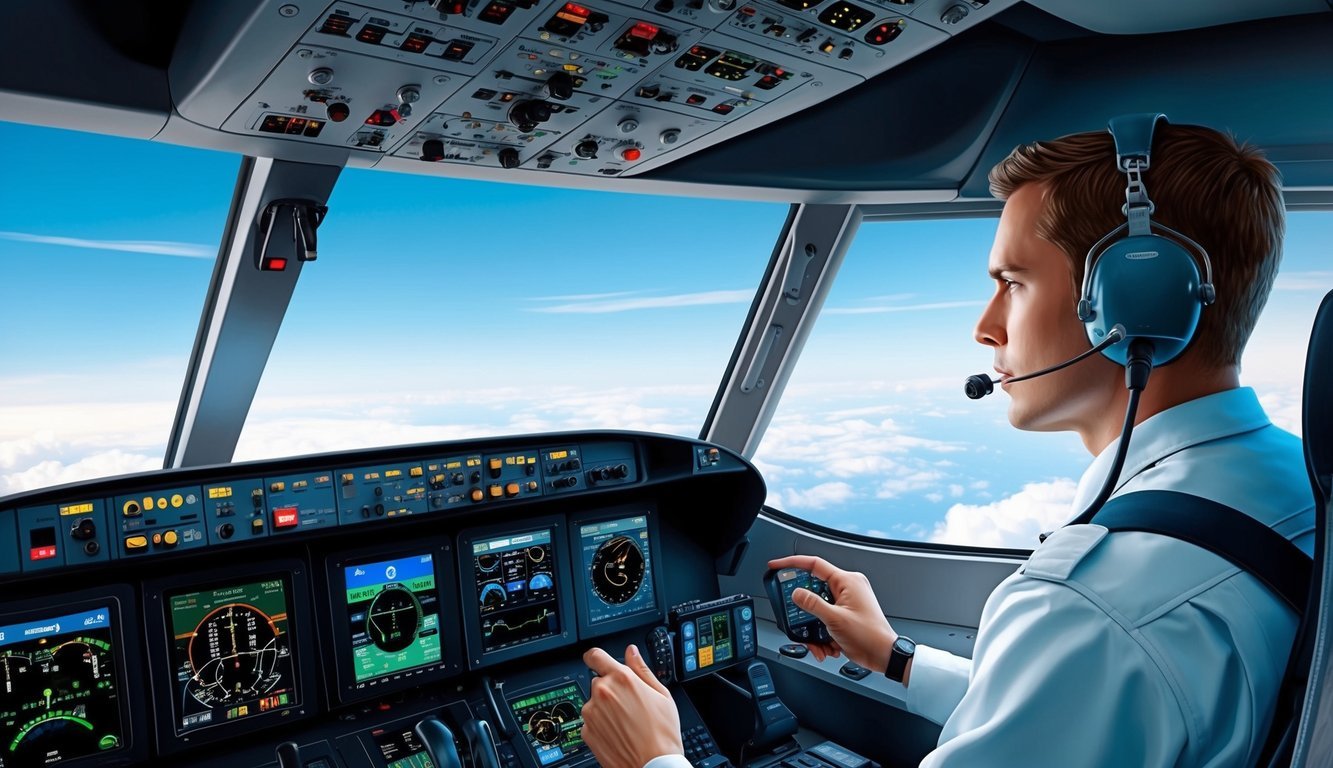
(572, 68)
(285, 517)
(177, 500)
(42, 553)
(496, 491)
(162, 502)
(157, 539)
(644, 31)
(135, 542)
(170, 538)
(275, 264)
(415, 472)
(631, 154)
(415, 43)
(512, 489)
(394, 473)
(553, 455)
(277, 487)
(221, 492)
(348, 478)
(148, 502)
(576, 12)
(77, 509)
(299, 485)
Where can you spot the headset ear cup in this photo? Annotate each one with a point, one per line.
(1150, 285)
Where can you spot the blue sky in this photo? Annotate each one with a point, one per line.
(443, 309)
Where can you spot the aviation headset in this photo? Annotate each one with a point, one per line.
(1149, 283)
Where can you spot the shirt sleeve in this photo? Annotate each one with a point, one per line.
(668, 761)
(937, 683)
(1054, 676)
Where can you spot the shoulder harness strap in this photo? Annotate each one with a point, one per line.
(1226, 532)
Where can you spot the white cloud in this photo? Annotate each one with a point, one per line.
(53, 472)
(604, 306)
(907, 483)
(1014, 521)
(585, 296)
(150, 247)
(796, 500)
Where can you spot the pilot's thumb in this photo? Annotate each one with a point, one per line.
(635, 661)
(812, 604)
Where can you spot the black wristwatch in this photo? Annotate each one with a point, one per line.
(903, 651)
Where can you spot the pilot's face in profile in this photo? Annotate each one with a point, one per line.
(1030, 322)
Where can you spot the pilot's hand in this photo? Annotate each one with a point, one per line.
(854, 618)
(629, 718)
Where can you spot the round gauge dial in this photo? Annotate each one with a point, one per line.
(543, 728)
(233, 653)
(393, 619)
(537, 554)
(493, 595)
(488, 563)
(617, 570)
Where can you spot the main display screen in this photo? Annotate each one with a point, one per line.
(393, 613)
(552, 722)
(516, 589)
(616, 558)
(59, 689)
(231, 653)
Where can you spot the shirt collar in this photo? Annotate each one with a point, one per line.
(1231, 412)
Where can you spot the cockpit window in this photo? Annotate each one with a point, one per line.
(874, 435)
(106, 249)
(444, 309)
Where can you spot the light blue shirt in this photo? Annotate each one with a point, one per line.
(1134, 649)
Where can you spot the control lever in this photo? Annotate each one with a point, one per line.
(289, 755)
(481, 743)
(439, 743)
(500, 721)
(773, 722)
(661, 657)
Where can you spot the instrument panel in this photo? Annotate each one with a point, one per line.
(593, 87)
(301, 625)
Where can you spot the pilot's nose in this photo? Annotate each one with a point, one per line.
(990, 326)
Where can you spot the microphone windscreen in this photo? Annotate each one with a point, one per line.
(978, 386)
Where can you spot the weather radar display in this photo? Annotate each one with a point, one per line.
(394, 615)
(516, 590)
(619, 567)
(58, 689)
(232, 653)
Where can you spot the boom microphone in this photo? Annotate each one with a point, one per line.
(983, 384)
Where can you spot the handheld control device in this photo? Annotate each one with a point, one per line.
(795, 623)
(711, 636)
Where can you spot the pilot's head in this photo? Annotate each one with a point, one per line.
(1061, 197)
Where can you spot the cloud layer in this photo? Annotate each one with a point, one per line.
(150, 247)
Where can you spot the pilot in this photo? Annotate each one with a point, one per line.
(1129, 649)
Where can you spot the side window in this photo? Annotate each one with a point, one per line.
(106, 249)
(874, 436)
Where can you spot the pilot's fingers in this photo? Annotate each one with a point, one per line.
(600, 662)
(635, 661)
(817, 566)
(813, 604)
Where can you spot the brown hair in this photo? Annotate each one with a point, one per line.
(1224, 195)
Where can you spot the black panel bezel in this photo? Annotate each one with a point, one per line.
(119, 598)
(467, 587)
(300, 626)
(337, 627)
(583, 596)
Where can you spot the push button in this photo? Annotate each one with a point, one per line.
(135, 543)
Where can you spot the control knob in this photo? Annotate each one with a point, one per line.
(530, 113)
(509, 158)
(338, 111)
(586, 149)
(84, 530)
(226, 530)
(561, 86)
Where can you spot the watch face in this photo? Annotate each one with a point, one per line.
(904, 645)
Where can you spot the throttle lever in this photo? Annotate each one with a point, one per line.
(481, 743)
(439, 743)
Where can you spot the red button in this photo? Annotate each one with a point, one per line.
(631, 154)
(42, 553)
(285, 517)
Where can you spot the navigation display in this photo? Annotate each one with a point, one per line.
(400, 748)
(552, 722)
(517, 597)
(617, 561)
(59, 689)
(231, 653)
(393, 614)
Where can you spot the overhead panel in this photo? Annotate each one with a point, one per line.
(592, 88)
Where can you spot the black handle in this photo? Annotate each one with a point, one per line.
(439, 743)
